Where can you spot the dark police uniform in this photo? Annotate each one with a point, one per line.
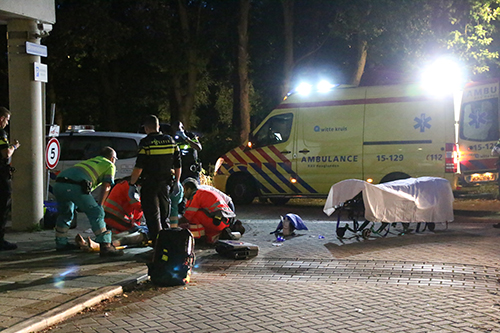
(158, 155)
(191, 166)
(5, 183)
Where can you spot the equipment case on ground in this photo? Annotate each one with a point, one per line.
(236, 249)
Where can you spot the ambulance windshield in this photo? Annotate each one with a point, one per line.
(276, 130)
(479, 120)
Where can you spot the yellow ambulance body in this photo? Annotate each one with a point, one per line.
(308, 143)
(479, 131)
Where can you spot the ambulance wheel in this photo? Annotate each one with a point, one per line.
(242, 189)
(431, 226)
(279, 201)
(394, 176)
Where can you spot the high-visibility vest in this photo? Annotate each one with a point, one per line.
(206, 208)
(122, 213)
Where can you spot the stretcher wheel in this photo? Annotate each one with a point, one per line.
(431, 226)
(341, 232)
(366, 233)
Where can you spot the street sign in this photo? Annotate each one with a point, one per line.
(52, 153)
(36, 49)
(40, 72)
(54, 130)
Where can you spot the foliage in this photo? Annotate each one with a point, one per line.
(113, 61)
(473, 34)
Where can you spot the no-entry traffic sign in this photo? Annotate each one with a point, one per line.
(52, 153)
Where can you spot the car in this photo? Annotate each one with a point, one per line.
(81, 144)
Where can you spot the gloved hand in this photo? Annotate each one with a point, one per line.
(133, 193)
(176, 187)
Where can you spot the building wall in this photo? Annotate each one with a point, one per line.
(39, 10)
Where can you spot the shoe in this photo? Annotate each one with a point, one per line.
(68, 247)
(496, 225)
(7, 246)
(238, 227)
(226, 234)
(108, 250)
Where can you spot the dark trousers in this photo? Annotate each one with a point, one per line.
(155, 203)
(5, 192)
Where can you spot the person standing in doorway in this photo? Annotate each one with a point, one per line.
(7, 150)
(158, 155)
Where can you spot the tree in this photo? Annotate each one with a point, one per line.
(288, 62)
(473, 26)
(415, 30)
(243, 59)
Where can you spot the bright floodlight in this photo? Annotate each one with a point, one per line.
(304, 88)
(324, 86)
(443, 76)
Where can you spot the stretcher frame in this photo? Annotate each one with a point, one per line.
(355, 212)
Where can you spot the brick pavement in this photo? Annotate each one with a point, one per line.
(442, 281)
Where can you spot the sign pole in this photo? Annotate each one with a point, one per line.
(52, 119)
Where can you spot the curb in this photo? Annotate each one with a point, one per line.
(69, 309)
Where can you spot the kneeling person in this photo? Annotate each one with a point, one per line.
(73, 189)
(207, 214)
(123, 214)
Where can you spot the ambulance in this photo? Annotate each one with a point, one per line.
(479, 132)
(310, 142)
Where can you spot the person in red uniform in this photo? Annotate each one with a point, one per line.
(207, 213)
(122, 213)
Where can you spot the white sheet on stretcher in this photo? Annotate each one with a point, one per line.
(424, 199)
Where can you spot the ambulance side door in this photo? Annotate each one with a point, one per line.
(329, 145)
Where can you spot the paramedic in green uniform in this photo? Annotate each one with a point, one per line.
(73, 190)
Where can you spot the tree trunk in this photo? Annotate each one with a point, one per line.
(362, 45)
(243, 60)
(185, 87)
(288, 35)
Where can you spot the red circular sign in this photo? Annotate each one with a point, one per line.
(52, 153)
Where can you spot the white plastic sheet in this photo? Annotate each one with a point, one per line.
(424, 199)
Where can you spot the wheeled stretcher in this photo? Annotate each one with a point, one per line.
(425, 201)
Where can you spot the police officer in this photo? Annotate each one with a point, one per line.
(189, 146)
(6, 150)
(73, 189)
(158, 155)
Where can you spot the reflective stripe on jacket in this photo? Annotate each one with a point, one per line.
(122, 213)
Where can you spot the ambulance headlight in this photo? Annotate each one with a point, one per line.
(304, 88)
(443, 76)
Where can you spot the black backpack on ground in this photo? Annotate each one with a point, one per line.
(173, 258)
